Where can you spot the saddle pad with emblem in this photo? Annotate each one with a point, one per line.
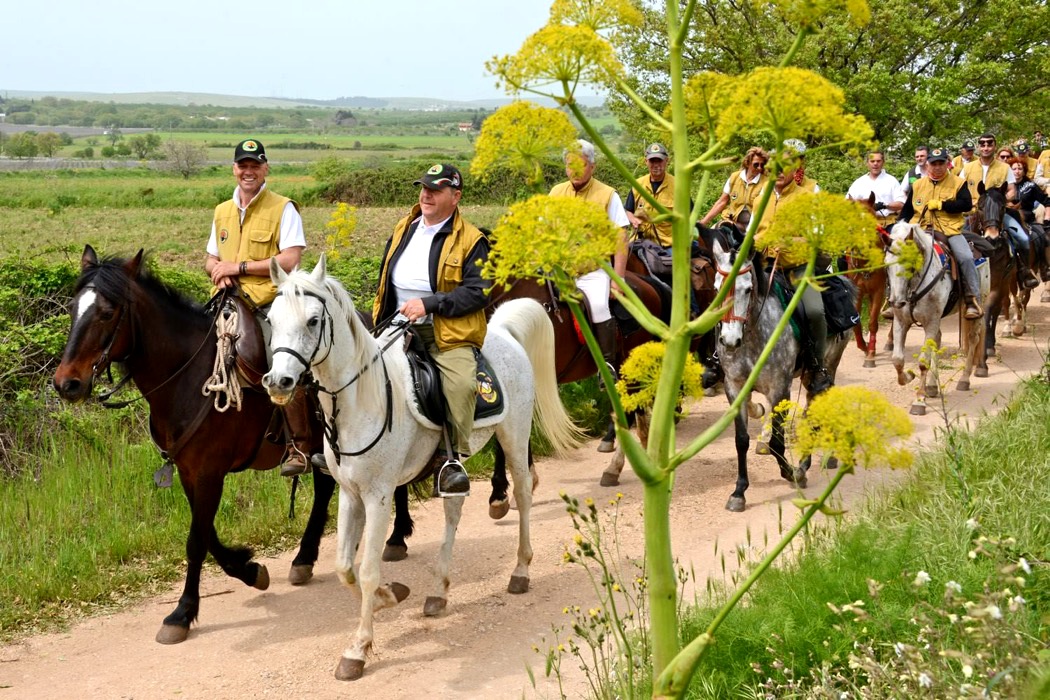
(426, 381)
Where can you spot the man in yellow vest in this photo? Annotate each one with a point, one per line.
(965, 156)
(431, 274)
(597, 285)
(257, 224)
(660, 185)
(941, 200)
(994, 173)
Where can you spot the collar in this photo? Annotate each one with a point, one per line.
(237, 197)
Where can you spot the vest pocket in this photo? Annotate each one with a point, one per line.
(261, 243)
(451, 273)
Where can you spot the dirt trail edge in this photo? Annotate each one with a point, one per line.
(286, 642)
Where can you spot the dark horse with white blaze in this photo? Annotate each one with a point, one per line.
(166, 344)
(745, 331)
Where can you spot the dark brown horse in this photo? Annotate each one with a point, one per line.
(991, 208)
(167, 346)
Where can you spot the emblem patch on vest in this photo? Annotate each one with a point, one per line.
(223, 235)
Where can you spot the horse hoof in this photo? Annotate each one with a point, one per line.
(932, 391)
(399, 590)
(799, 479)
(499, 509)
(762, 448)
(715, 390)
(299, 574)
(755, 410)
(172, 634)
(869, 364)
(1044, 297)
(350, 669)
(735, 504)
(518, 584)
(918, 409)
(833, 463)
(963, 385)
(609, 479)
(395, 552)
(981, 372)
(606, 446)
(434, 606)
(262, 578)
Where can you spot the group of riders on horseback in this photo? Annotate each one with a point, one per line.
(430, 274)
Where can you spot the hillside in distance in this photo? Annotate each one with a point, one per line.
(204, 98)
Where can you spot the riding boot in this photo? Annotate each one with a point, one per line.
(1025, 278)
(605, 334)
(713, 372)
(819, 378)
(297, 422)
(973, 309)
(450, 476)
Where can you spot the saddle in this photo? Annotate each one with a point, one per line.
(838, 296)
(426, 381)
(980, 248)
(250, 353)
(657, 261)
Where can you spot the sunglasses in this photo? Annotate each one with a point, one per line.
(758, 166)
(1004, 156)
(986, 143)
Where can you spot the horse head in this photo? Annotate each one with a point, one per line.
(731, 332)
(301, 327)
(102, 329)
(899, 278)
(991, 206)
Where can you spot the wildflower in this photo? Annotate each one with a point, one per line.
(899, 649)
(1016, 602)
(816, 13)
(921, 579)
(953, 586)
(640, 376)
(821, 222)
(1023, 563)
(967, 670)
(994, 612)
(599, 16)
(972, 524)
(558, 56)
(521, 137)
(925, 681)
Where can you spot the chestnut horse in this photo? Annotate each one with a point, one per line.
(167, 346)
(871, 285)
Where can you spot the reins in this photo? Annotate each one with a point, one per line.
(730, 315)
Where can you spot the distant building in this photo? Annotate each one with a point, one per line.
(465, 126)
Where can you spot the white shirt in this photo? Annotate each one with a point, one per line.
(1010, 178)
(617, 214)
(885, 188)
(411, 273)
(291, 225)
(752, 181)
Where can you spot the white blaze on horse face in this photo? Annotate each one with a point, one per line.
(85, 301)
(733, 329)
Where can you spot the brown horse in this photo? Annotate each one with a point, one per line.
(871, 286)
(167, 346)
(989, 213)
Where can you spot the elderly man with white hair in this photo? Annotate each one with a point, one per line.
(597, 285)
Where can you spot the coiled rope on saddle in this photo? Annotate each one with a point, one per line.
(224, 383)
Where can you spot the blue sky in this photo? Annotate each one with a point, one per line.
(319, 49)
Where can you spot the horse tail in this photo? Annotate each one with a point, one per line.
(526, 321)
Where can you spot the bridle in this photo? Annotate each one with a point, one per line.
(724, 273)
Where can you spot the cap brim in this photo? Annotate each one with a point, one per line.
(936, 160)
(656, 156)
(251, 156)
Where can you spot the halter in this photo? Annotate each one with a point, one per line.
(730, 315)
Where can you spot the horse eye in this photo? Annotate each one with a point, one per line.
(312, 323)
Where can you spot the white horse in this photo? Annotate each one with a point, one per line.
(922, 298)
(378, 439)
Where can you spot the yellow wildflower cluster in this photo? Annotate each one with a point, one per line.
(522, 136)
(706, 95)
(790, 103)
(821, 222)
(341, 226)
(559, 237)
(558, 58)
(856, 425)
(810, 13)
(906, 254)
(640, 376)
(598, 15)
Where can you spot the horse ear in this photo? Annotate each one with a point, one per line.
(980, 188)
(320, 269)
(135, 264)
(89, 258)
(277, 273)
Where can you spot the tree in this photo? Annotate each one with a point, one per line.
(114, 135)
(144, 145)
(184, 157)
(22, 145)
(48, 143)
(952, 69)
(559, 238)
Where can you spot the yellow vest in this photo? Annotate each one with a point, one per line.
(958, 164)
(257, 238)
(449, 332)
(1030, 165)
(743, 194)
(594, 191)
(792, 190)
(659, 232)
(973, 173)
(925, 189)
(1044, 160)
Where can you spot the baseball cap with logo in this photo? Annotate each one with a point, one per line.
(656, 150)
(249, 149)
(441, 175)
(937, 155)
(967, 146)
(1022, 148)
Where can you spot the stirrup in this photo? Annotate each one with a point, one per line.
(296, 462)
(451, 480)
(973, 310)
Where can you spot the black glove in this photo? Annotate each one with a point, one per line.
(879, 206)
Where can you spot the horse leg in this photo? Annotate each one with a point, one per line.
(737, 500)
(789, 472)
(858, 334)
(523, 489)
(435, 604)
(611, 475)
(926, 356)
(968, 338)
(608, 442)
(877, 299)
(396, 548)
(899, 333)
(303, 565)
(499, 502)
(376, 517)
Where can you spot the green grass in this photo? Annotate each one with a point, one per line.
(1001, 483)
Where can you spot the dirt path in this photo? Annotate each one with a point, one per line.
(285, 642)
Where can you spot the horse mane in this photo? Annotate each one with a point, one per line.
(112, 280)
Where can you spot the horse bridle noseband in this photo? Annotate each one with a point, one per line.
(730, 315)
